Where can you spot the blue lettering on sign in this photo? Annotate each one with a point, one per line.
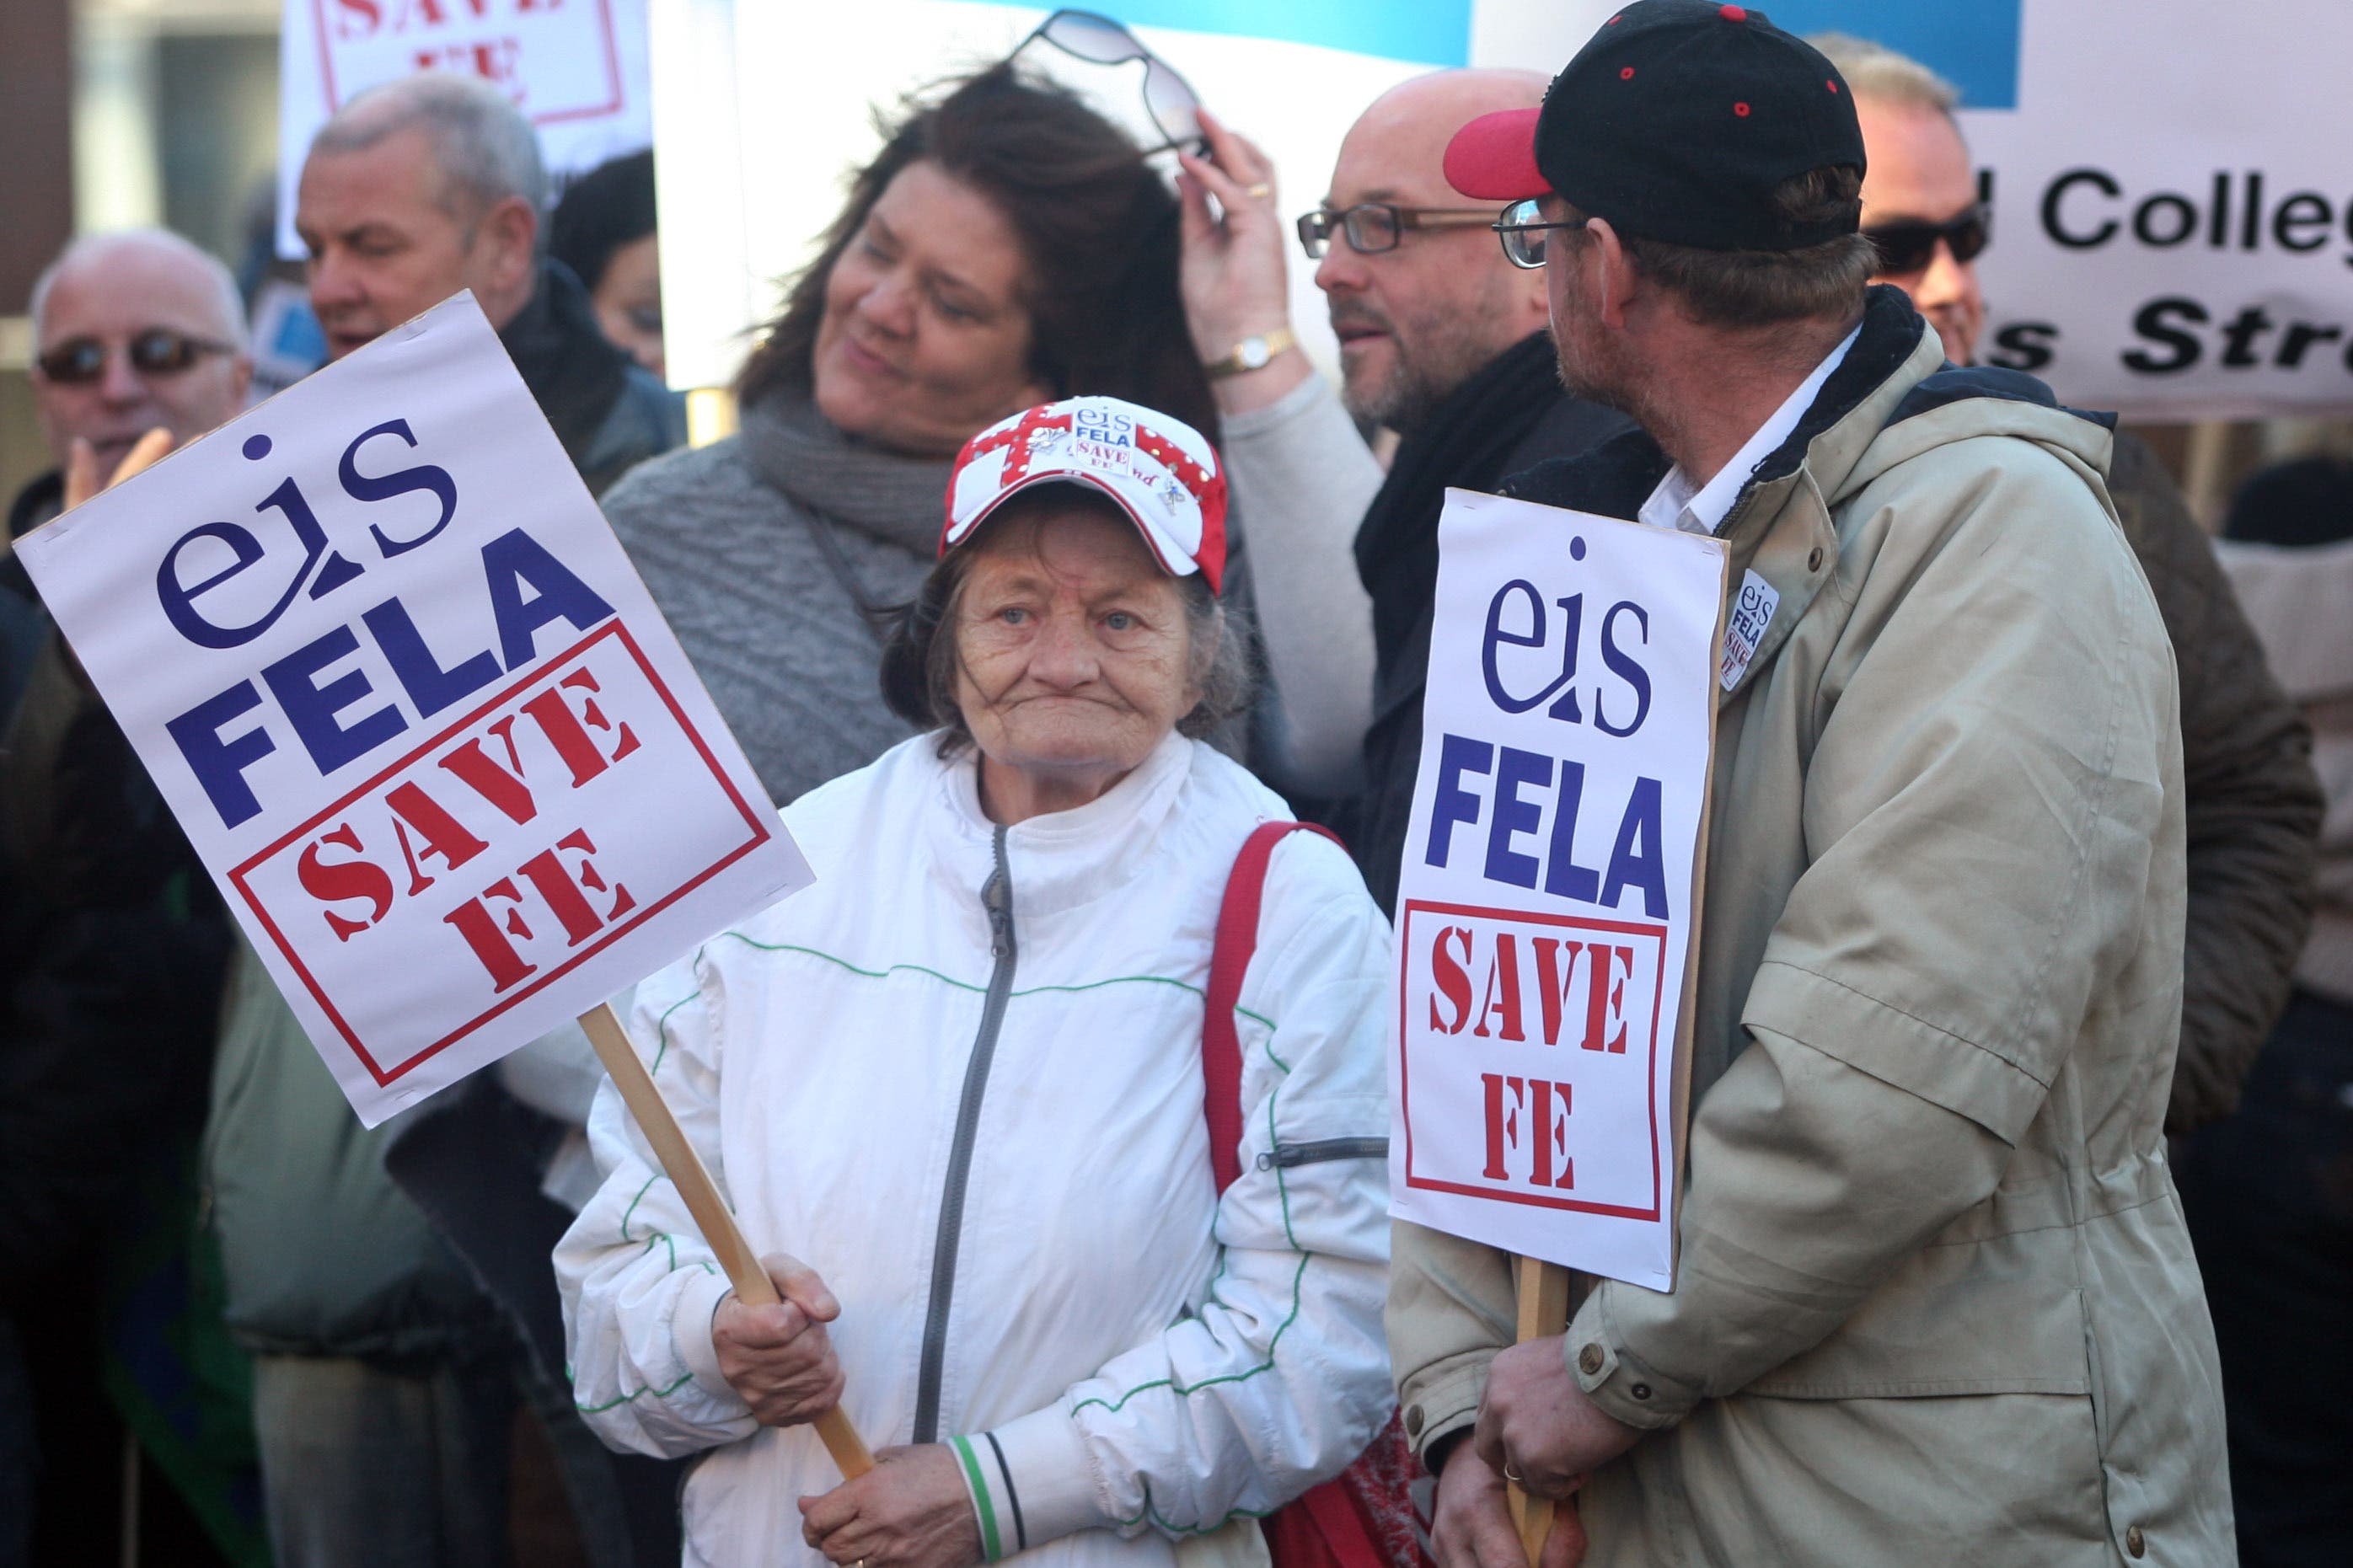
(1517, 683)
(330, 713)
(1514, 818)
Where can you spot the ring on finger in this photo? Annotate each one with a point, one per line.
(1260, 192)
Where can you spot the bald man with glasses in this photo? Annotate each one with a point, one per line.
(1442, 343)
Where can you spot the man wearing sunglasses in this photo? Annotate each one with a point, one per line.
(1442, 343)
(132, 333)
(2254, 806)
(112, 941)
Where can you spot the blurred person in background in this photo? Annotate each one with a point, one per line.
(1007, 246)
(433, 183)
(2253, 804)
(387, 1376)
(1441, 340)
(2269, 1191)
(112, 939)
(133, 332)
(603, 229)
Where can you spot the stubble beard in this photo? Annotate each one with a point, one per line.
(1430, 361)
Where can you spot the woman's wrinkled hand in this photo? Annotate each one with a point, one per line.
(911, 1511)
(779, 1358)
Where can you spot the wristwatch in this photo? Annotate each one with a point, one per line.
(1254, 352)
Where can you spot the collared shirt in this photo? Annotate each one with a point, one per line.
(1677, 503)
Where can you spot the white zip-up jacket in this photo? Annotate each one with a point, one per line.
(961, 1078)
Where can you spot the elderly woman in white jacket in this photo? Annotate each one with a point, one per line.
(956, 1088)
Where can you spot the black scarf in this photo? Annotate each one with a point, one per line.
(1466, 444)
(573, 372)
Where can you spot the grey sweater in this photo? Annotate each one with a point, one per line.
(726, 538)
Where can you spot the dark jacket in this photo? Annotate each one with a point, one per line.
(1408, 580)
(610, 412)
(111, 944)
(2254, 806)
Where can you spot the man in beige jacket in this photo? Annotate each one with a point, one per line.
(1934, 1302)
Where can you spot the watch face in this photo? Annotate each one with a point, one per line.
(1252, 354)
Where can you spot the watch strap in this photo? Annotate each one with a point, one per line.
(1254, 352)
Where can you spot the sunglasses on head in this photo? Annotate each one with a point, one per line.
(158, 351)
(1168, 97)
(1908, 246)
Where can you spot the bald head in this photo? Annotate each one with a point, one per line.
(1416, 320)
(1414, 120)
(133, 258)
(144, 330)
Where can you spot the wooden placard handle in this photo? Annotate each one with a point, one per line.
(684, 1168)
(1543, 1309)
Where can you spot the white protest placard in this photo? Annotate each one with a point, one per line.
(411, 704)
(1546, 902)
(577, 69)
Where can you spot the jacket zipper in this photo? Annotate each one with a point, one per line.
(996, 897)
(1289, 1155)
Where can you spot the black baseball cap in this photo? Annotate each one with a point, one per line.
(1675, 122)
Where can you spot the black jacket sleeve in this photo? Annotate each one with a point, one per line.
(2253, 802)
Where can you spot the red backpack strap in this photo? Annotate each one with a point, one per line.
(1237, 941)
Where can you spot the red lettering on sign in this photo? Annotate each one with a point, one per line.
(1449, 979)
(1503, 990)
(334, 881)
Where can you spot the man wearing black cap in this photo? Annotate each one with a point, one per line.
(1933, 1299)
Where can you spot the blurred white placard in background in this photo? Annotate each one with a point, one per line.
(577, 67)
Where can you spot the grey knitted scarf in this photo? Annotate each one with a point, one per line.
(843, 480)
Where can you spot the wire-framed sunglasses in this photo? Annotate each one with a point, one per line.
(1521, 230)
(158, 351)
(1371, 227)
(1910, 246)
(1168, 98)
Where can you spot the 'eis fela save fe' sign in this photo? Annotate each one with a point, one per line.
(1544, 906)
(408, 700)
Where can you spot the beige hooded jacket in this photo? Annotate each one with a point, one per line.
(1934, 1300)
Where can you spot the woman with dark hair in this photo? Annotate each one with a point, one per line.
(1007, 245)
(604, 229)
(1110, 1279)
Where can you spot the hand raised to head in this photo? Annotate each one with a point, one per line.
(1234, 276)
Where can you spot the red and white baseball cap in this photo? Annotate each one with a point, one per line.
(1158, 470)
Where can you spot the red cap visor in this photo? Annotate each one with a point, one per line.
(1494, 158)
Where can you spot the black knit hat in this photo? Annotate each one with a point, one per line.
(1675, 123)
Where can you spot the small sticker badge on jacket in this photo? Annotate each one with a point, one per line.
(1752, 611)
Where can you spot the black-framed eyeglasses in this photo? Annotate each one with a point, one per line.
(1168, 97)
(1522, 229)
(158, 351)
(1371, 227)
(1910, 246)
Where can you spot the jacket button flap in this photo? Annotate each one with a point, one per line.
(1588, 1359)
(2134, 1542)
(1413, 1419)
